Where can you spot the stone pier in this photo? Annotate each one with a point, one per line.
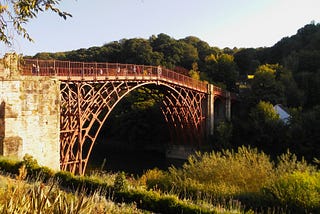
(29, 115)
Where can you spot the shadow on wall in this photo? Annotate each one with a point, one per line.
(9, 145)
(2, 125)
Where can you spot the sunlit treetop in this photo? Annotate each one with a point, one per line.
(14, 14)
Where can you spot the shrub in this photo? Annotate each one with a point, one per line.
(163, 203)
(289, 163)
(246, 170)
(120, 182)
(38, 197)
(156, 179)
(10, 165)
(300, 191)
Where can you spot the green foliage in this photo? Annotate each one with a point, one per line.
(30, 162)
(163, 203)
(265, 87)
(304, 132)
(137, 118)
(247, 61)
(268, 132)
(17, 196)
(264, 113)
(139, 51)
(194, 73)
(299, 54)
(215, 175)
(120, 182)
(155, 178)
(292, 95)
(14, 14)
(298, 190)
(222, 68)
(224, 134)
(246, 175)
(10, 165)
(51, 199)
(288, 163)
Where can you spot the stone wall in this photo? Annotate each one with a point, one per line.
(29, 116)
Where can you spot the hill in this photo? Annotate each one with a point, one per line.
(287, 73)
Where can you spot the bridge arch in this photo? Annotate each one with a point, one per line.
(90, 90)
(85, 106)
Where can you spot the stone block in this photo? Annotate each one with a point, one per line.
(11, 146)
(30, 119)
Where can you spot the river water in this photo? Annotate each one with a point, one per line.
(129, 160)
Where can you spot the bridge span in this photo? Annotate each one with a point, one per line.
(89, 91)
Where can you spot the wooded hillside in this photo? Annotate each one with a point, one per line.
(287, 73)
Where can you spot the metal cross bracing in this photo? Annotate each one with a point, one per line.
(90, 91)
(183, 111)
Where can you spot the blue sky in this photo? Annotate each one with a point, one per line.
(221, 23)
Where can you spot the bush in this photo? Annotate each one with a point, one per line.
(299, 191)
(246, 175)
(163, 203)
(224, 172)
(156, 179)
(289, 163)
(150, 200)
(10, 165)
(247, 168)
(120, 183)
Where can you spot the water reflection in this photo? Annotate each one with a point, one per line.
(131, 161)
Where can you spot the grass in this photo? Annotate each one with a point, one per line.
(245, 176)
(242, 181)
(24, 196)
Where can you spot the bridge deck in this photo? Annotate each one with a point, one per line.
(93, 71)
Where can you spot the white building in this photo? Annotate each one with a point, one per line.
(283, 114)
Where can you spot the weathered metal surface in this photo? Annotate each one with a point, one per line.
(89, 92)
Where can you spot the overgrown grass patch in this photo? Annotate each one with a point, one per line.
(22, 196)
(244, 176)
(299, 190)
(121, 190)
(216, 182)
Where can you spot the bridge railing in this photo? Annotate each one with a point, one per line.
(71, 69)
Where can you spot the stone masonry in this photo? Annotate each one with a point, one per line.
(29, 115)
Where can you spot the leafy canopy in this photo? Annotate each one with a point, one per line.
(14, 14)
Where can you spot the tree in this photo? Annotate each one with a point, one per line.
(265, 87)
(247, 61)
(264, 112)
(194, 73)
(268, 131)
(293, 96)
(188, 54)
(203, 49)
(15, 14)
(222, 69)
(168, 47)
(305, 132)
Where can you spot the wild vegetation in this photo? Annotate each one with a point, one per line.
(242, 181)
(15, 14)
(37, 190)
(286, 73)
(20, 196)
(234, 176)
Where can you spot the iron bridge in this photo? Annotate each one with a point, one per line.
(89, 91)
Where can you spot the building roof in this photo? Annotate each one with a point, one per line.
(283, 114)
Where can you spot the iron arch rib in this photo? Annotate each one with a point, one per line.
(84, 108)
(182, 109)
(90, 90)
(86, 105)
